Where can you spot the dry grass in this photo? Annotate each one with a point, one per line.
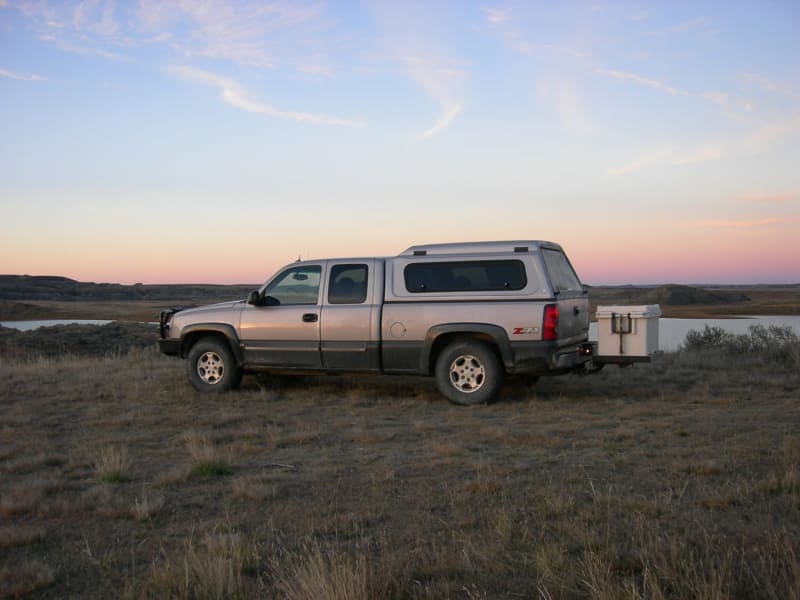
(112, 464)
(207, 460)
(317, 574)
(146, 505)
(212, 567)
(679, 479)
(25, 578)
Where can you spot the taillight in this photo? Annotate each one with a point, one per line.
(550, 323)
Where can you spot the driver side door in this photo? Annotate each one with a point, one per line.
(285, 333)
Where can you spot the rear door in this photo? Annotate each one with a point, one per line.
(572, 298)
(350, 329)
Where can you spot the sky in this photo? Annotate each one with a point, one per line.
(215, 140)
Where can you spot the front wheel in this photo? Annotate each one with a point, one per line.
(211, 367)
(468, 372)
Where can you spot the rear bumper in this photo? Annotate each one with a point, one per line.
(170, 346)
(541, 358)
(569, 358)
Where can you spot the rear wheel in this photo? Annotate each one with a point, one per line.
(211, 366)
(468, 372)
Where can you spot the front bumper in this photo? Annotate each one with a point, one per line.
(171, 346)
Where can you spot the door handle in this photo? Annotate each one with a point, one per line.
(310, 318)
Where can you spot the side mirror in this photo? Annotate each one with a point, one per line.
(254, 298)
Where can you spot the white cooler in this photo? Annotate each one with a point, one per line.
(627, 330)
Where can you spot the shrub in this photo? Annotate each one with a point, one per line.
(709, 337)
(770, 345)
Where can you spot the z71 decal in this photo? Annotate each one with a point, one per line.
(524, 330)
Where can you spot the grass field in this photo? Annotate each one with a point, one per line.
(678, 479)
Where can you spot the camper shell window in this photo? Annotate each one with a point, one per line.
(465, 276)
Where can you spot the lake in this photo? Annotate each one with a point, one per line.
(671, 332)
(29, 325)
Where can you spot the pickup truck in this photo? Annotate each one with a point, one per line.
(468, 314)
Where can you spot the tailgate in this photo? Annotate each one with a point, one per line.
(573, 320)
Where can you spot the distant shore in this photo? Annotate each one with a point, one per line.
(30, 297)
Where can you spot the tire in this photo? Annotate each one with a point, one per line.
(468, 372)
(211, 366)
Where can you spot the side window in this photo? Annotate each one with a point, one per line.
(561, 274)
(348, 284)
(465, 276)
(298, 285)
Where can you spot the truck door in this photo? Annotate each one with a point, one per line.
(285, 332)
(351, 315)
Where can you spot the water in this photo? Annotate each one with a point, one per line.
(30, 325)
(672, 332)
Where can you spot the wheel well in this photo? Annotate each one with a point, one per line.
(195, 336)
(444, 340)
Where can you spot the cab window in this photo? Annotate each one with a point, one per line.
(348, 284)
(298, 285)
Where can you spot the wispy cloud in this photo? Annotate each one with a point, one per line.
(688, 25)
(772, 132)
(698, 25)
(96, 16)
(565, 50)
(246, 32)
(744, 223)
(500, 23)
(495, 15)
(732, 108)
(18, 77)
(638, 79)
(88, 27)
(250, 33)
(670, 155)
(235, 95)
(86, 16)
(640, 162)
(440, 80)
(415, 39)
(85, 50)
(702, 154)
(568, 102)
(447, 117)
(767, 198)
(769, 85)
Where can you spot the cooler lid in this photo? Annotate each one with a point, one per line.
(643, 311)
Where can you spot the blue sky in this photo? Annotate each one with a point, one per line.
(214, 141)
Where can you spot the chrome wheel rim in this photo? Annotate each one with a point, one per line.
(210, 368)
(467, 374)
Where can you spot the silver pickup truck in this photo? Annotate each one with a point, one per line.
(468, 314)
